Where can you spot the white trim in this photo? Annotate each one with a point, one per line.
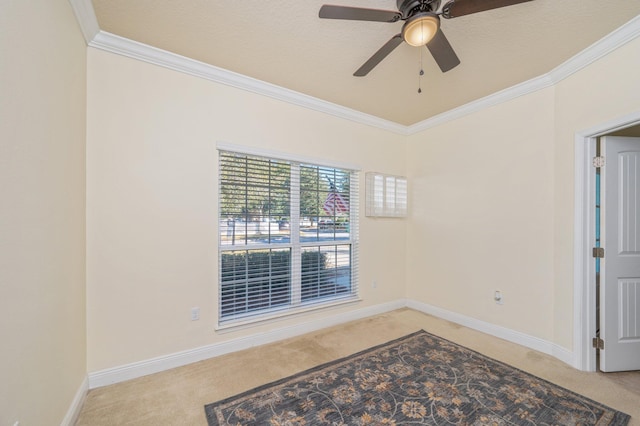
(155, 365)
(504, 333)
(279, 155)
(612, 41)
(505, 95)
(561, 353)
(602, 47)
(78, 401)
(86, 17)
(276, 314)
(584, 307)
(584, 281)
(132, 49)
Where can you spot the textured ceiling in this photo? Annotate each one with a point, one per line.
(283, 42)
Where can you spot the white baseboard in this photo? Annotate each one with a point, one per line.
(155, 365)
(78, 401)
(178, 359)
(504, 333)
(564, 355)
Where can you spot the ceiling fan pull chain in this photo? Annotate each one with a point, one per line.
(420, 74)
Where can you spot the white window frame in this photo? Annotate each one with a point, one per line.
(296, 306)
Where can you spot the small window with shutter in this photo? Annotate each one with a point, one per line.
(386, 195)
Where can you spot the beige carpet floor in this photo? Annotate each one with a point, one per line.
(178, 396)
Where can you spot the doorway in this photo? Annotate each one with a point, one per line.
(585, 303)
(618, 271)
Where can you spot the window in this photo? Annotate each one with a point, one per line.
(288, 236)
(386, 195)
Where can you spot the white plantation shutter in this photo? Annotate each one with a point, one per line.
(386, 195)
(288, 237)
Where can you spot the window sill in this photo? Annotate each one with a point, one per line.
(278, 315)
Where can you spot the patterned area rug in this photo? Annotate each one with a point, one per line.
(417, 379)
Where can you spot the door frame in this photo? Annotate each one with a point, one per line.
(584, 281)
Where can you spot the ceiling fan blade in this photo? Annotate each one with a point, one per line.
(328, 11)
(442, 52)
(456, 8)
(377, 57)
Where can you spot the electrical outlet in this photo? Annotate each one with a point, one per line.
(195, 314)
(497, 296)
(374, 284)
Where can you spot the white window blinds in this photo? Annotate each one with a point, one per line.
(287, 236)
(386, 195)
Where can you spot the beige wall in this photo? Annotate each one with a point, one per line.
(482, 215)
(491, 204)
(151, 202)
(607, 90)
(493, 200)
(42, 221)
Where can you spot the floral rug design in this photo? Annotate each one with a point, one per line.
(417, 379)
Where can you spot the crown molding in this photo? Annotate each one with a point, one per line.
(505, 95)
(86, 17)
(602, 47)
(614, 40)
(135, 50)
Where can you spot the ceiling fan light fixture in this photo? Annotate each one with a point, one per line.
(420, 29)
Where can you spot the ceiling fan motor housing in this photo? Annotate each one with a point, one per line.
(409, 8)
(421, 26)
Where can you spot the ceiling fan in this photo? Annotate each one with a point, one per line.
(421, 27)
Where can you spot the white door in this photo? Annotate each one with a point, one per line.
(620, 273)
